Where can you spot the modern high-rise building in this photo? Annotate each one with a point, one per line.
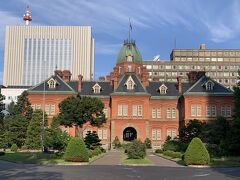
(220, 64)
(32, 53)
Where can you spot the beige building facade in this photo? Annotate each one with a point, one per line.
(220, 64)
(32, 53)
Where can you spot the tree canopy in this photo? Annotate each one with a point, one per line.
(79, 110)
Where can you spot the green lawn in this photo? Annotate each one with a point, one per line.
(225, 162)
(177, 160)
(39, 158)
(128, 161)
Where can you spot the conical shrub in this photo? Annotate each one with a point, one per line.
(76, 151)
(196, 153)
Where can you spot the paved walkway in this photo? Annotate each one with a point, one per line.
(159, 161)
(112, 157)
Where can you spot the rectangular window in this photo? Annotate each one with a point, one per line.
(158, 134)
(125, 110)
(52, 109)
(169, 133)
(228, 111)
(140, 109)
(208, 111)
(168, 112)
(105, 111)
(223, 111)
(172, 133)
(100, 133)
(134, 113)
(199, 110)
(38, 106)
(47, 109)
(193, 110)
(158, 112)
(173, 112)
(120, 112)
(153, 134)
(213, 111)
(153, 113)
(33, 106)
(104, 133)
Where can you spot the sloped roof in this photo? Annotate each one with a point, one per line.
(61, 86)
(122, 88)
(199, 88)
(106, 88)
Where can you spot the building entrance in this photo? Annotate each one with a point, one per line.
(129, 134)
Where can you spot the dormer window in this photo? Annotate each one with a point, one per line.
(163, 89)
(129, 58)
(209, 85)
(130, 83)
(51, 83)
(96, 88)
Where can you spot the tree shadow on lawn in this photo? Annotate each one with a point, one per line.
(27, 171)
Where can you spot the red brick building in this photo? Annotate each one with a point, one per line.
(134, 106)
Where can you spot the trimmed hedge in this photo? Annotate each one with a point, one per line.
(173, 154)
(136, 150)
(76, 151)
(196, 153)
(158, 151)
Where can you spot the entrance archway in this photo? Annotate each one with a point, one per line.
(129, 134)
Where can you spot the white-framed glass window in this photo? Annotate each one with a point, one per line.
(134, 110)
(100, 134)
(168, 112)
(228, 111)
(158, 112)
(173, 112)
(120, 108)
(52, 109)
(208, 111)
(213, 111)
(193, 110)
(140, 110)
(159, 134)
(172, 133)
(105, 111)
(33, 106)
(199, 110)
(104, 133)
(38, 106)
(153, 134)
(47, 109)
(223, 111)
(153, 113)
(169, 133)
(125, 110)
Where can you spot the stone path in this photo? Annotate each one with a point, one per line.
(159, 161)
(112, 157)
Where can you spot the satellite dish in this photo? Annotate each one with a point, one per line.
(156, 58)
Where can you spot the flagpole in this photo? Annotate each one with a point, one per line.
(129, 31)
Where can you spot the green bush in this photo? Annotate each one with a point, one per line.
(173, 154)
(125, 147)
(148, 143)
(96, 152)
(174, 145)
(76, 151)
(90, 155)
(116, 143)
(2, 153)
(136, 150)
(92, 140)
(196, 153)
(158, 151)
(14, 148)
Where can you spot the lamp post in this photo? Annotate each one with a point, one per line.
(43, 119)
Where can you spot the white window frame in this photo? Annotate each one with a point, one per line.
(120, 109)
(125, 110)
(154, 134)
(174, 112)
(135, 110)
(153, 113)
(199, 110)
(169, 113)
(105, 134)
(158, 112)
(100, 134)
(193, 110)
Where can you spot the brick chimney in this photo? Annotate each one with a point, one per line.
(179, 85)
(193, 76)
(59, 73)
(80, 85)
(66, 75)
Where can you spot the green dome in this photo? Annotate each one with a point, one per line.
(129, 49)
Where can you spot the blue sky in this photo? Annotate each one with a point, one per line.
(156, 24)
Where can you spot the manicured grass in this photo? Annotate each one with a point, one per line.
(144, 161)
(225, 162)
(177, 160)
(39, 158)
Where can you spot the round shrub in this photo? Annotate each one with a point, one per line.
(136, 150)
(96, 152)
(76, 151)
(196, 153)
(14, 148)
(148, 143)
(158, 151)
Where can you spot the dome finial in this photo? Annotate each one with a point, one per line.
(129, 31)
(27, 16)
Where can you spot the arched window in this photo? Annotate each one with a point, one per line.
(96, 88)
(209, 86)
(130, 83)
(163, 89)
(51, 83)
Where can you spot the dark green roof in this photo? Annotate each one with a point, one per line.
(129, 48)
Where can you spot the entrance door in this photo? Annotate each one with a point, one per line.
(129, 134)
